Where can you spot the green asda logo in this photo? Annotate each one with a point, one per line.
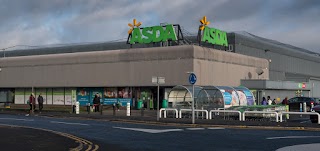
(214, 36)
(153, 34)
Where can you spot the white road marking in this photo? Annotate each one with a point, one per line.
(17, 119)
(215, 128)
(153, 131)
(304, 121)
(300, 147)
(290, 137)
(69, 123)
(194, 129)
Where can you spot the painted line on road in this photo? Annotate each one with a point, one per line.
(57, 122)
(195, 129)
(291, 137)
(17, 119)
(215, 128)
(153, 131)
(304, 121)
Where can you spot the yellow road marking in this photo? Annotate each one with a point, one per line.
(79, 140)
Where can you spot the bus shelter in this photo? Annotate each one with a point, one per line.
(209, 97)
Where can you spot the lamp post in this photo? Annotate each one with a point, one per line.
(192, 80)
(158, 81)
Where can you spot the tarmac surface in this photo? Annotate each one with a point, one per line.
(20, 138)
(295, 122)
(49, 140)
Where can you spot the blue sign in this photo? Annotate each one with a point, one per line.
(192, 78)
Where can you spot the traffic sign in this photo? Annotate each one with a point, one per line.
(192, 78)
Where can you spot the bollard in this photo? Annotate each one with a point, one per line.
(304, 107)
(128, 109)
(88, 108)
(101, 108)
(77, 107)
(114, 109)
(142, 111)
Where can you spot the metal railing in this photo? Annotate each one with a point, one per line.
(165, 112)
(224, 111)
(190, 110)
(300, 113)
(259, 112)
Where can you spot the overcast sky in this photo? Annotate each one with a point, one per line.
(43, 22)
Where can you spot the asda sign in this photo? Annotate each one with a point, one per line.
(211, 35)
(214, 36)
(152, 34)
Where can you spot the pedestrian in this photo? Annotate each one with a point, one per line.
(118, 105)
(264, 101)
(40, 102)
(285, 101)
(96, 102)
(274, 102)
(269, 100)
(32, 102)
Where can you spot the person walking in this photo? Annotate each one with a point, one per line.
(40, 102)
(96, 102)
(264, 101)
(32, 102)
(269, 100)
(285, 101)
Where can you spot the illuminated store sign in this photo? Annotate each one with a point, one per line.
(211, 35)
(150, 34)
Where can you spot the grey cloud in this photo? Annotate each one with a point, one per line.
(69, 21)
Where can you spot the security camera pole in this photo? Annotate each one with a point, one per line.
(192, 80)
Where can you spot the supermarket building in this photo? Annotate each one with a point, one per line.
(123, 72)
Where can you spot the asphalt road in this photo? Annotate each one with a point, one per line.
(128, 136)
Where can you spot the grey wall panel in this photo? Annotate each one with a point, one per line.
(315, 83)
(132, 67)
(283, 63)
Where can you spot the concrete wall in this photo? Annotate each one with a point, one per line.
(129, 67)
(226, 68)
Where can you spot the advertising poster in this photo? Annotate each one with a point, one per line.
(73, 97)
(68, 96)
(250, 98)
(124, 101)
(242, 98)
(43, 93)
(110, 95)
(19, 96)
(49, 96)
(58, 96)
(95, 92)
(83, 96)
(230, 96)
(124, 92)
(244, 92)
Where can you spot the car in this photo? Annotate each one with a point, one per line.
(314, 118)
(294, 103)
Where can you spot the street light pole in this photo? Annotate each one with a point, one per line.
(158, 99)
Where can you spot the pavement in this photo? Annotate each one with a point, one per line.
(296, 122)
